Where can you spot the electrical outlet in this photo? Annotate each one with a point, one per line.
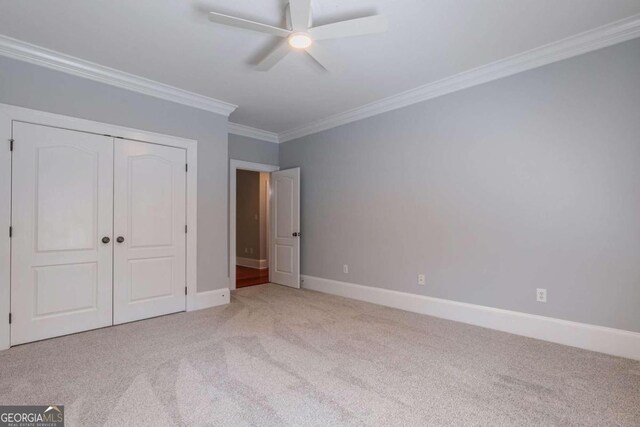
(421, 279)
(541, 295)
(345, 269)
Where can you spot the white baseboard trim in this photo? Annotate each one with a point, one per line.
(213, 298)
(260, 264)
(602, 339)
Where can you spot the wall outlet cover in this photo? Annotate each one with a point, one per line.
(541, 295)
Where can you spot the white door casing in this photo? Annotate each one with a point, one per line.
(5, 223)
(285, 227)
(62, 209)
(150, 217)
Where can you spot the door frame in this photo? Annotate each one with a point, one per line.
(11, 113)
(234, 166)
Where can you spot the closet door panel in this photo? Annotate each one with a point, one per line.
(62, 199)
(150, 218)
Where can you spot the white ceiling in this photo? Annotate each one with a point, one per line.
(172, 42)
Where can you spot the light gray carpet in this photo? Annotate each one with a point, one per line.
(278, 356)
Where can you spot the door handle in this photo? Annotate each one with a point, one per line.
(120, 239)
(105, 240)
(298, 234)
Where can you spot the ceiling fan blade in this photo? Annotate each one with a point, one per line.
(275, 56)
(300, 11)
(232, 21)
(322, 57)
(352, 27)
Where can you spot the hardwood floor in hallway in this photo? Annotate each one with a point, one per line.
(246, 276)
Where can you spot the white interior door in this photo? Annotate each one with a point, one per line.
(285, 227)
(149, 230)
(62, 198)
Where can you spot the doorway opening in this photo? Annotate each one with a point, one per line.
(252, 228)
(241, 266)
(277, 260)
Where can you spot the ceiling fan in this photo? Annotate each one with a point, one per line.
(301, 35)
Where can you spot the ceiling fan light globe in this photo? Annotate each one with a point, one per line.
(300, 40)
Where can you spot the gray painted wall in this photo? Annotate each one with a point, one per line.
(529, 181)
(253, 150)
(264, 214)
(248, 214)
(30, 86)
(251, 214)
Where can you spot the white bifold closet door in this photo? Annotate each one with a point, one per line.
(98, 228)
(149, 209)
(62, 206)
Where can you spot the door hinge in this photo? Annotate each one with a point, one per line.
(11, 145)
(9, 318)
(185, 229)
(186, 167)
(10, 231)
(185, 290)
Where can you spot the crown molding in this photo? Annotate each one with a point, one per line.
(255, 133)
(37, 55)
(607, 35)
